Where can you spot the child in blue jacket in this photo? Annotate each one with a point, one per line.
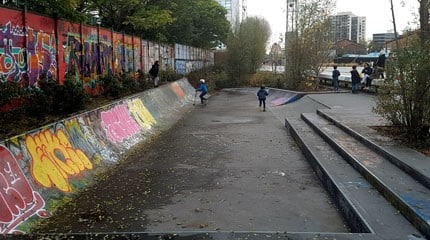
(261, 94)
(202, 88)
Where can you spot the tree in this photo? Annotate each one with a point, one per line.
(132, 16)
(309, 47)
(404, 98)
(66, 9)
(246, 47)
(199, 23)
(424, 21)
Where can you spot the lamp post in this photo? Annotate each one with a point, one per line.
(291, 8)
(99, 68)
(286, 37)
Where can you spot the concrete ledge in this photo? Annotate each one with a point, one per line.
(355, 221)
(44, 167)
(411, 170)
(410, 212)
(345, 81)
(213, 235)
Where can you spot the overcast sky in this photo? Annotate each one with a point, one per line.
(377, 13)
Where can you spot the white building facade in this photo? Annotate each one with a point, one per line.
(236, 9)
(346, 25)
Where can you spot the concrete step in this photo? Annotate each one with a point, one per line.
(363, 208)
(411, 162)
(410, 197)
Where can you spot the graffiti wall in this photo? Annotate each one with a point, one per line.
(40, 167)
(34, 47)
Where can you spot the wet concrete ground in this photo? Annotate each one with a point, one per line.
(226, 166)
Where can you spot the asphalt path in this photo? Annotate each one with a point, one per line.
(226, 166)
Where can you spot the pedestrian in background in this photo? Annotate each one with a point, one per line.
(154, 73)
(335, 76)
(380, 65)
(261, 94)
(355, 79)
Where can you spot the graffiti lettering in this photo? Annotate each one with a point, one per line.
(118, 124)
(178, 90)
(142, 116)
(18, 201)
(55, 159)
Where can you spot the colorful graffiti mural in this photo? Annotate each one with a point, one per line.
(33, 47)
(55, 160)
(39, 168)
(18, 200)
(12, 53)
(118, 124)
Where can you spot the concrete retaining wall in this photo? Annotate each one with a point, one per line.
(41, 168)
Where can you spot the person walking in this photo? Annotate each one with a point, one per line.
(335, 76)
(355, 79)
(154, 73)
(262, 93)
(204, 90)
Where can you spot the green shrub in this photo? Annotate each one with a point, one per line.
(215, 76)
(169, 75)
(111, 86)
(70, 97)
(53, 98)
(38, 104)
(8, 91)
(404, 98)
(129, 84)
(269, 79)
(141, 80)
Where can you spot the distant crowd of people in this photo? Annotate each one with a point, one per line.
(363, 79)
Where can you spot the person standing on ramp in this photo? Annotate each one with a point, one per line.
(261, 94)
(154, 73)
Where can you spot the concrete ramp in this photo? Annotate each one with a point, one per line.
(44, 167)
(278, 97)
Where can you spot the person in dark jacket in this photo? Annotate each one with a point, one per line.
(154, 73)
(380, 65)
(335, 76)
(203, 89)
(261, 94)
(355, 79)
(367, 76)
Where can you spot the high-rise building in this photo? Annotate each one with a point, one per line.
(349, 26)
(234, 10)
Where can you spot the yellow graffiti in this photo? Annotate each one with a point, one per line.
(142, 116)
(55, 159)
(74, 125)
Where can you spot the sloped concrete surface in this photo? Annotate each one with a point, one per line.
(225, 167)
(43, 168)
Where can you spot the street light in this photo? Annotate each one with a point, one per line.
(292, 8)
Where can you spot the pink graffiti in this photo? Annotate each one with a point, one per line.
(18, 201)
(118, 124)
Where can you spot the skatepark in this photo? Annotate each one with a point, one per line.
(156, 166)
